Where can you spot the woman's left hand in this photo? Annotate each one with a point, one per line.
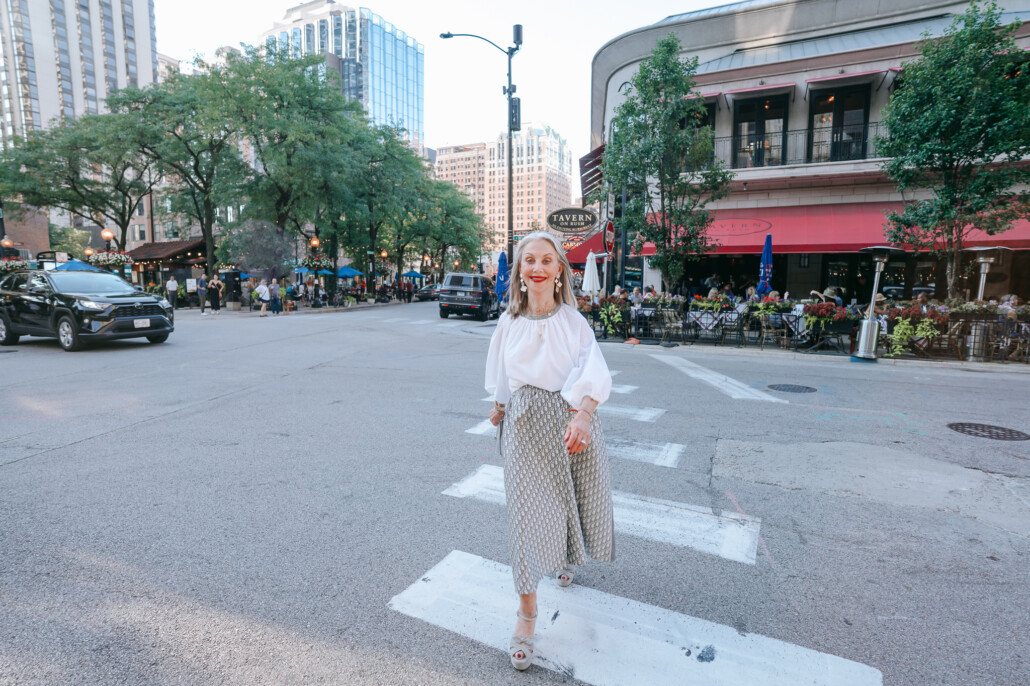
(577, 434)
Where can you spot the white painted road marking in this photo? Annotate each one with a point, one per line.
(483, 428)
(640, 414)
(393, 320)
(731, 387)
(606, 640)
(661, 454)
(614, 372)
(423, 321)
(616, 388)
(448, 325)
(731, 535)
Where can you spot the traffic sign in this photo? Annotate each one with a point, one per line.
(609, 237)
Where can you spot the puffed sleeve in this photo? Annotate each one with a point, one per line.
(496, 374)
(590, 376)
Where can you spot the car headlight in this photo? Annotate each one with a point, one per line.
(91, 305)
(164, 303)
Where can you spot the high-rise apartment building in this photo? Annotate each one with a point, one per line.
(63, 57)
(465, 167)
(542, 181)
(380, 66)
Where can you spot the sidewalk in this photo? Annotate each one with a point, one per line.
(191, 312)
(780, 354)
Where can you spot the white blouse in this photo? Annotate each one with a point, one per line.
(555, 352)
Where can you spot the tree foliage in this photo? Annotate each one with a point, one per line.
(661, 154)
(957, 129)
(254, 245)
(89, 167)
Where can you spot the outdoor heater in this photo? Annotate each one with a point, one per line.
(869, 329)
(985, 257)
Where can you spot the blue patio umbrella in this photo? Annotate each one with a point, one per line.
(244, 275)
(502, 276)
(325, 271)
(76, 265)
(413, 275)
(765, 268)
(301, 270)
(346, 272)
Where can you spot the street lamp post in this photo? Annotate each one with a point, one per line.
(514, 120)
(107, 235)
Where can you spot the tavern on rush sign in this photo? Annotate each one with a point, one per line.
(572, 220)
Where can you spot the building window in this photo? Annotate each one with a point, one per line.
(838, 124)
(760, 131)
(139, 232)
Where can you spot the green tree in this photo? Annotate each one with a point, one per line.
(457, 231)
(661, 155)
(68, 239)
(90, 167)
(958, 130)
(184, 131)
(292, 115)
(254, 245)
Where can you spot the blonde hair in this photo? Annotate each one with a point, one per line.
(519, 301)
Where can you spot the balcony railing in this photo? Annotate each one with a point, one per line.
(804, 146)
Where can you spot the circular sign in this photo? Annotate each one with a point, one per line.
(572, 220)
(609, 237)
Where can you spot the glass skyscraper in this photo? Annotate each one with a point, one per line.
(380, 66)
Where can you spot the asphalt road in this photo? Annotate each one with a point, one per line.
(240, 504)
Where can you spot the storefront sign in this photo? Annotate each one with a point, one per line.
(572, 220)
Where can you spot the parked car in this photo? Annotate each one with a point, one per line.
(77, 307)
(428, 292)
(468, 294)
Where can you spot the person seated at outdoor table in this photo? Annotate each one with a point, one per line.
(923, 303)
(752, 294)
(881, 305)
(713, 293)
(829, 294)
(727, 292)
(637, 297)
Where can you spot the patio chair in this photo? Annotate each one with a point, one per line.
(773, 330)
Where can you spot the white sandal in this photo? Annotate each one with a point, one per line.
(521, 644)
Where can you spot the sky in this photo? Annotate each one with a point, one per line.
(463, 76)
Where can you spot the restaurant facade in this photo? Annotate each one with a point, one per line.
(794, 90)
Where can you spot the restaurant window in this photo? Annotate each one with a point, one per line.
(760, 131)
(838, 124)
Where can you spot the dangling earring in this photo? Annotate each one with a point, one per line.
(557, 284)
(523, 289)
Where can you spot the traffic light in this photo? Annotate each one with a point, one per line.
(515, 114)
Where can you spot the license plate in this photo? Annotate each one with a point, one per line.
(141, 323)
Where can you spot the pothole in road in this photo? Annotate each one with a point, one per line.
(791, 388)
(996, 433)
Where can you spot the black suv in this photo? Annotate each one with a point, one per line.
(79, 306)
(468, 294)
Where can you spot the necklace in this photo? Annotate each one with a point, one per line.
(542, 319)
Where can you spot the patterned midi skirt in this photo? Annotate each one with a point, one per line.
(559, 505)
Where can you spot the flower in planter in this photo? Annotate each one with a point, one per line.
(12, 264)
(317, 261)
(110, 258)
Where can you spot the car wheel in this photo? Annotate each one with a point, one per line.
(484, 314)
(443, 313)
(7, 337)
(68, 334)
(160, 338)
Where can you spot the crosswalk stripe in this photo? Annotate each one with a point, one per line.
(621, 389)
(725, 384)
(606, 640)
(660, 454)
(483, 428)
(731, 535)
(640, 414)
(614, 372)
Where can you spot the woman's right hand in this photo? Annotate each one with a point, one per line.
(496, 416)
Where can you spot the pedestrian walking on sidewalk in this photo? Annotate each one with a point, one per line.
(274, 297)
(214, 293)
(202, 293)
(547, 376)
(262, 293)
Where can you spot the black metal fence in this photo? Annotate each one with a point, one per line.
(803, 146)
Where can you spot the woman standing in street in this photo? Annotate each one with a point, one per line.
(547, 375)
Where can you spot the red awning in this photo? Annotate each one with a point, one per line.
(595, 243)
(845, 227)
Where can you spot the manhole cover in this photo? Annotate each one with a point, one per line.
(791, 388)
(997, 433)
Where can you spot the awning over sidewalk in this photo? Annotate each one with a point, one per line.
(165, 250)
(595, 244)
(845, 227)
